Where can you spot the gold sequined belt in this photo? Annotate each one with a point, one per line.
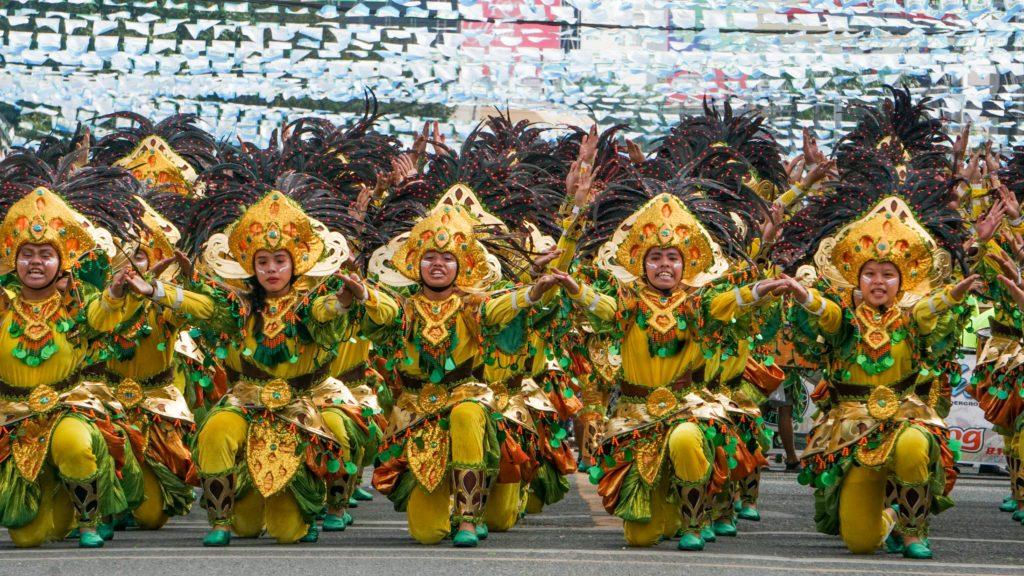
(16, 393)
(843, 392)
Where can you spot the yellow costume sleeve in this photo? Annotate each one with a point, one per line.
(380, 308)
(182, 301)
(503, 308)
(734, 303)
(928, 310)
(790, 196)
(599, 305)
(830, 315)
(567, 243)
(106, 312)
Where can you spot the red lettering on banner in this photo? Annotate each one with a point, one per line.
(971, 439)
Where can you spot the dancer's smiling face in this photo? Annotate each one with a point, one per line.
(879, 283)
(664, 267)
(37, 265)
(273, 271)
(438, 269)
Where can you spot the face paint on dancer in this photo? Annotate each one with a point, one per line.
(273, 271)
(37, 265)
(879, 283)
(438, 269)
(664, 268)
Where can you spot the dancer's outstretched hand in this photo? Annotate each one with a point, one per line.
(1013, 288)
(968, 284)
(352, 288)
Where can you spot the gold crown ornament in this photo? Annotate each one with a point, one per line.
(889, 232)
(447, 228)
(154, 162)
(276, 222)
(42, 217)
(663, 222)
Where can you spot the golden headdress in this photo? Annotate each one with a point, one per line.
(446, 228)
(154, 162)
(902, 134)
(674, 214)
(73, 209)
(873, 215)
(169, 154)
(245, 212)
(276, 222)
(42, 217)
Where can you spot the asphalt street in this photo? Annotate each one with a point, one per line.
(574, 537)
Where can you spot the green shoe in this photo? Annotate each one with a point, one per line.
(106, 531)
(1008, 505)
(691, 542)
(312, 535)
(1018, 516)
(362, 495)
(335, 523)
(353, 503)
(465, 539)
(482, 531)
(917, 551)
(724, 527)
(706, 533)
(894, 544)
(349, 520)
(217, 538)
(124, 522)
(748, 513)
(90, 540)
(737, 506)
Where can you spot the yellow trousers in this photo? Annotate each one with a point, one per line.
(690, 464)
(862, 494)
(150, 514)
(218, 449)
(429, 513)
(72, 456)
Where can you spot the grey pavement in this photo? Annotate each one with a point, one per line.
(571, 538)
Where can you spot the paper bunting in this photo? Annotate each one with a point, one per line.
(641, 62)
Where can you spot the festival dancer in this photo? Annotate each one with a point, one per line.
(879, 318)
(678, 319)
(267, 452)
(449, 430)
(996, 382)
(66, 457)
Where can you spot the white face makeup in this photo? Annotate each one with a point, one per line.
(879, 283)
(37, 265)
(664, 268)
(438, 269)
(273, 271)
